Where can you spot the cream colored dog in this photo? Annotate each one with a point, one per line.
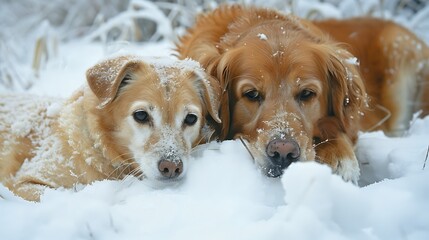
(136, 117)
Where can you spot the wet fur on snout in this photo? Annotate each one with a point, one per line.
(288, 78)
(95, 135)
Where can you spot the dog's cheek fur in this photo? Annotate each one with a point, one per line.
(134, 136)
(244, 117)
(190, 135)
(147, 154)
(101, 126)
(116, 132)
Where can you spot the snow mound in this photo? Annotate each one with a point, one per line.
(224, 196)
(382, 157)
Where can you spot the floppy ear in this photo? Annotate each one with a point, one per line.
(209, 91)
(105, 78)
(346, 94)
(217, 66)
(223, 73)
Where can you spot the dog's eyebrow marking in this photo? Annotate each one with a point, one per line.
(314, 82)
(246, 82)
(143, 105)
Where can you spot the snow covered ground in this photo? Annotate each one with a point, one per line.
(224, 196)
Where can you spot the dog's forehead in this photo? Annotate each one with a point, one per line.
(182, 102)
(283, 64)
(164, 75)
(174, 74)
(166, 89)
(169, 69)
(277, 76)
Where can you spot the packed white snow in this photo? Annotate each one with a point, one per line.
(262, 36)
(224, 195)
(352, 61)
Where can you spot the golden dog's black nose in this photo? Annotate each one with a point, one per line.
(170, 169)
(283, 152)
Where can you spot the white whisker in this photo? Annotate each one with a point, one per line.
(322, 142)
(379, 123)
(426, 158)
(247, 148)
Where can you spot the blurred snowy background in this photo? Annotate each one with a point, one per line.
(45, 49)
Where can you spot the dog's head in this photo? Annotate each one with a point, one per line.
(150, 113)
(287, 88)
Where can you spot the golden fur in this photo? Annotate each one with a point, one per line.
(295, 91)
(395, 66)
(94, 135)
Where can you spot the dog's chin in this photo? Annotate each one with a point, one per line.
(272, 171)
(261, 160)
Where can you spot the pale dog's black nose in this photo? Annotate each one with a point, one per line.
(283, 152)
(170, 169)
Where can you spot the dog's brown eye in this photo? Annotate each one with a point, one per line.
(305, 95)
(190, 119)
(141, 116)
(253, 95)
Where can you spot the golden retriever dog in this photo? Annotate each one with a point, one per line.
(136, 116)
(295, 90)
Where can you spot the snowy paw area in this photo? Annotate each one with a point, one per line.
(224, 196)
